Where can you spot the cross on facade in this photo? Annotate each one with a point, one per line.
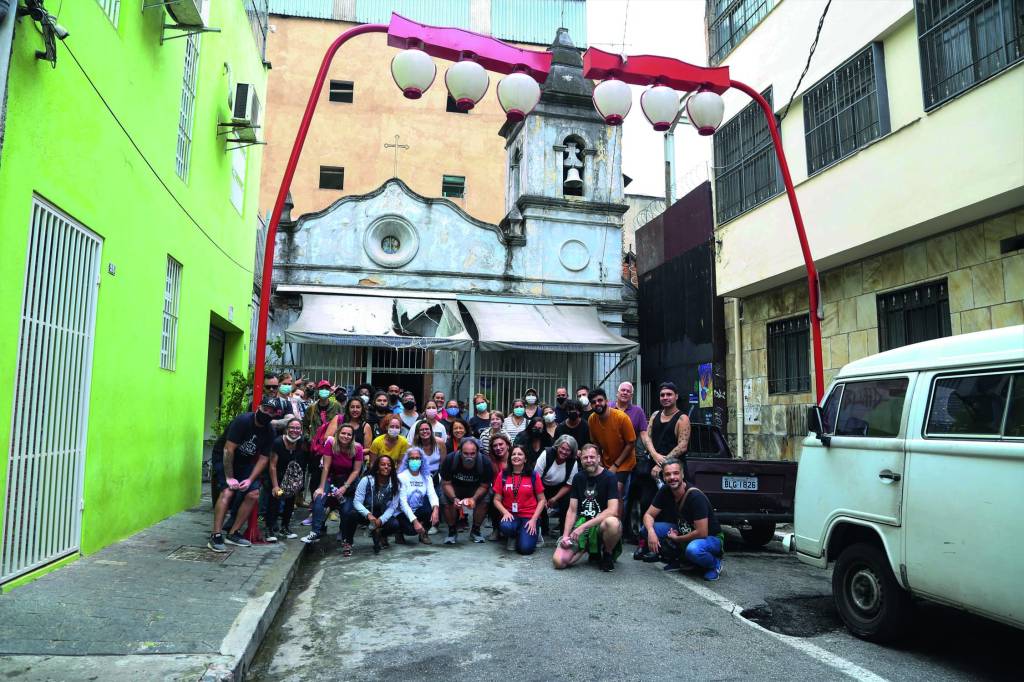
(396, 147)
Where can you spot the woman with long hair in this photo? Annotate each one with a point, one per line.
(533, 439)
(339, 469)
(355, 414)
(497, 419)
(432, 450)
(289, 448)
(501, 445)
(431, 415)
(376, 503)
(519, 498)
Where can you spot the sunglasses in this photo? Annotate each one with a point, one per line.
(270, 387)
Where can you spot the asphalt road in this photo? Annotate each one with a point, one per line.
(476, 612)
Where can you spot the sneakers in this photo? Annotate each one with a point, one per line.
(451, 539)
(607, 562)
(346, 548)
(216, 543)
(311, 538)
(715, 572)
(270, 535)
(236, 539)
(476, 537)
(510, 544)
(308, 521)
(672, 567)
(287, 533)
(432, 531)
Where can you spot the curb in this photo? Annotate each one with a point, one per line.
(250, 626)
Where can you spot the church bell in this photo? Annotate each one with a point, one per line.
(573, 180)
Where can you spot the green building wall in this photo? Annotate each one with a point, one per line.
(144, 447)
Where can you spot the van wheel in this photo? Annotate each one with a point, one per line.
(759, 534)
(868, 598)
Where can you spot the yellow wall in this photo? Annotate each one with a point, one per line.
(353, 135)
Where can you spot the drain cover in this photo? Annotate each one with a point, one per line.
(186, 553)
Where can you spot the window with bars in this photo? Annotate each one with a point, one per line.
(169, 336)
(964, 42)
(188, 103)
(112, 8)
(789, 369)
(453, 186)
(729, 22)
(342, 91)
(846, 110)
(912, 315)
(258, 13)
(746, 169)
(332, 177)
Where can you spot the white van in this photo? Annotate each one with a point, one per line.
(912, 482)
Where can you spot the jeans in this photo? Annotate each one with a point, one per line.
(700, 552)
(280, 506)
(350, 519)
(516, 528)
(320, 506)
(422, 514)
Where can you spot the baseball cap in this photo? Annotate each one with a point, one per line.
(267, 402)
(324, 383)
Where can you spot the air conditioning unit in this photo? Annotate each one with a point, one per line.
(245, 113)
(189, 12)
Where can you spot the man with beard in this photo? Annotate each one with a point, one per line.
(379, 408)
(561, 398)
(466, 476)
(681, 524)
(246, 452)
(613, 431)
(592, 523)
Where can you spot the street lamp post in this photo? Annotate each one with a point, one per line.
(518, 94)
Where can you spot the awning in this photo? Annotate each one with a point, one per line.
(560, 328)
(377, 321)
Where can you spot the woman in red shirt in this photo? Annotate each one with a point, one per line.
(519, 498)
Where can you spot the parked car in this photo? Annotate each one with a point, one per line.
(750, 495)
(912, 482)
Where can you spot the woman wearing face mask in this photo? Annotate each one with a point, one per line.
(459, 430)
(519, 498)
(392, 443)
(452, 410)
(494, 428)
(417, 497)
(376, 503)
(533, 439)
(432, 451)
(287, 448)
(515, 423)
(287, 391)
(432, 417)
(480, 420)
(548, 414)
(339, 470)
(532, 404)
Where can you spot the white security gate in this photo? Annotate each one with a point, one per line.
(43, 511)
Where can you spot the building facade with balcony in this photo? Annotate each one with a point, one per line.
(905, 140)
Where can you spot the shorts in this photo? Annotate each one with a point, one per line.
(241, 473)
(625, 478)
(590, 541)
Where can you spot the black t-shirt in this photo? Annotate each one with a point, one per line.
(285, 456)
(251, 439)
(593, 492)
(581, 432)
(697, 507)
(478, 425)
(466, 481)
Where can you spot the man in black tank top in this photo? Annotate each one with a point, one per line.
(667, 435)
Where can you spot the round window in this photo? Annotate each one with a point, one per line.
(390, 244)
(390, 241)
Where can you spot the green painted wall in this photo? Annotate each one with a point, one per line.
(145, 427)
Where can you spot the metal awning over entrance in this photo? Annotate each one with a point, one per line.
(379, 321)
(559, 328)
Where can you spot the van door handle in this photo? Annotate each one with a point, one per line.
(888, 476)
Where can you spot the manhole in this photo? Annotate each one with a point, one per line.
(186, 553)
(797, 616)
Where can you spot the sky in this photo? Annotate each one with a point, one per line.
(673, 28)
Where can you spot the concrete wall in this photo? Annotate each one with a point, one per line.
(986, 289)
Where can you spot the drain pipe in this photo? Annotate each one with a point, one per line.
(737, 344)
(670, 156)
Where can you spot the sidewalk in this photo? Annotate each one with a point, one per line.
(156, 606)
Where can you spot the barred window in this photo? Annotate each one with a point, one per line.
(964, 42)
(846, 110)
(789, 341)
(169, 333)
(186, 113)
(746, 169)
(729, 22)
(913, 315)
(112, 8)
(258, 13)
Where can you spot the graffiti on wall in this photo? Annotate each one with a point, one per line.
(706, 389)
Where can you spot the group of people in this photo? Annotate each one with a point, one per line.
(569, 470)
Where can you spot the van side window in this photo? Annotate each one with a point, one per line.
(968, 405)
(1015, 415)
(828, 413)
(872, 409)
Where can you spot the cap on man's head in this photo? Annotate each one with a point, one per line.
(669, 385)
(268, 402)
(324, 383)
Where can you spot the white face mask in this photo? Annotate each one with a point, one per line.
(549, 417)
(584, 400)
(394, 431)
(531, 400)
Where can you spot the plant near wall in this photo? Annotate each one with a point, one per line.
(237, 395)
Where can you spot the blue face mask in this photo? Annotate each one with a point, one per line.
(324, 393)
(285, 389)
(519, 411)
(481, 407)
(452, 411)
(414, 465)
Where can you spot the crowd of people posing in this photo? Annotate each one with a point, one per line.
(569, 471)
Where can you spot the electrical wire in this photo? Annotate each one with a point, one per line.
(814, 46)
(150, 165)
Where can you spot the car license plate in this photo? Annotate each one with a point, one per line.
(739, 482)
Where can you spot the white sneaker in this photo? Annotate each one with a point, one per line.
(311, 538)
(432, 531)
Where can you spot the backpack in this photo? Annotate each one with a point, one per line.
(453, 460)
(291, 482)
(319, 445)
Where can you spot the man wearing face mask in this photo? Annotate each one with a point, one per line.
(408, 415)
(380, 407)
(394, 398)
(246, 451)
(466, 476)
(583, 396)
(282, 408)
(574, 425)
(561, 398)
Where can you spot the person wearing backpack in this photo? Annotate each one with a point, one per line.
(315, 423)
(681, 524)
(288, 459)
(556, 466)
(519, 498)
(339, 469)
(466, 476)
